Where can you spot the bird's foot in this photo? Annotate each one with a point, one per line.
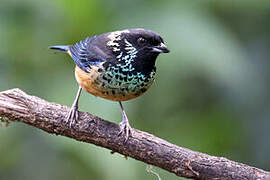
(72, 116)
(125, 129)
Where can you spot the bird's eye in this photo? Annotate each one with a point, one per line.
(141, 41)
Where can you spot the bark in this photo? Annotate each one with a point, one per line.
(15, 105)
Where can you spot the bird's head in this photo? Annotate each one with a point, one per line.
(135, 49)
(136, 42)
(145, 41)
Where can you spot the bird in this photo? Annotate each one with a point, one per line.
(117, 65)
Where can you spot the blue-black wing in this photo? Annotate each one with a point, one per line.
(86, 54)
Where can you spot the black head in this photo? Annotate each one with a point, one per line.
(146, 41)
(143, 46)
(142, 40)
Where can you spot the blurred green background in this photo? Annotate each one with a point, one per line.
(211, 93)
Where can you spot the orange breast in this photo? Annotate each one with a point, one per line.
(88, 81)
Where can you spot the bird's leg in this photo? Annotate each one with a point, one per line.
(73, 114)
(125, 127)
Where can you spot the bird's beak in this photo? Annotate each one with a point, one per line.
(161, 48)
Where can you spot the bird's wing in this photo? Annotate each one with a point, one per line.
(85, 54)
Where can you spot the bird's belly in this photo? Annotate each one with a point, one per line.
(94, 84)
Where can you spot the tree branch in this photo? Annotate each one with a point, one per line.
(18, 106)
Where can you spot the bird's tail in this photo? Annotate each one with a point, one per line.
(60, 48)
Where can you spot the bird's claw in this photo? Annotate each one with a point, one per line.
(125, 129)
(72, 116)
